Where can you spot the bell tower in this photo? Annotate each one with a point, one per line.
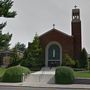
(76, 32)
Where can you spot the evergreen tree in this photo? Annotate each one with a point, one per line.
(26, 58)
(33, 54)
(36, 52)
(5, 6)
(83, 58)
(17, 55)
(20, 47)
(4, 41)
(15, 58)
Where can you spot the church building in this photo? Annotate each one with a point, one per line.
(56, 43)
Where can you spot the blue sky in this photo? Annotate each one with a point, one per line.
(39, 16)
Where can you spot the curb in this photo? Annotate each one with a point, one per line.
(56, 87)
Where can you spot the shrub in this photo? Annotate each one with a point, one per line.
(83, 58)
(64, 75)
(77, 64)
(68, 61)
(15, 74)
(33, 54)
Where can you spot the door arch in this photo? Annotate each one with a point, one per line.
(53, 54)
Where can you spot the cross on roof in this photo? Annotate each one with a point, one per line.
(75, 6)
(53, 25)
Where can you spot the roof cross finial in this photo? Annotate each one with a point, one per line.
(53, 26)
(75, 6)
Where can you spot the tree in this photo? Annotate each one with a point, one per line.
(83, 58)
(17, 55)
(26, 58)
(15, 58)
(5, 6)
(20, 46)
(4, 41)
(33, 54)
(68, 61)
(36, 52)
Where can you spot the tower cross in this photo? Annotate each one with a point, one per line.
(75, 6)
(53, 26)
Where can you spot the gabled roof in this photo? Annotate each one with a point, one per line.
(56, 31)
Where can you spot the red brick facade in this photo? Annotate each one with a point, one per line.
(71, 44)
(64, 40)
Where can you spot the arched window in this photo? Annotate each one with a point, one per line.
(53, 52)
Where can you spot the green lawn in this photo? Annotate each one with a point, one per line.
(82, 74)
(2, 70)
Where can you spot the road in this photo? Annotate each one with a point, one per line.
(30, 88)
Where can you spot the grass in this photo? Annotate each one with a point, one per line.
(82, 74)
(2, 71)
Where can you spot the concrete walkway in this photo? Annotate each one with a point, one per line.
(45, 78)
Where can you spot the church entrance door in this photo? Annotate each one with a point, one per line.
(53, 55)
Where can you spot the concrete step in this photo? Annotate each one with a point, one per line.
(40, 78)
(46, 75)
(48, 69)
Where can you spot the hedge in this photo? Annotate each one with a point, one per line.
(64, 75)
(15, 74)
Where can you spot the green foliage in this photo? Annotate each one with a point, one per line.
(64, 75)
(15, 58)
(17, 55)
(5, 6)
(77, 65)
(2, 25)
(15, 74)
(33, 54)
(83, 59)
(88, 64)
(68, 61)
(2, 71)
(4, 40)
(20, 47)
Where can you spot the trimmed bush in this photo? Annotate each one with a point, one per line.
(68, 61)
(64, 75)
(15, 74)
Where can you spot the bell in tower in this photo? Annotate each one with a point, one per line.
(76, 14)
(76, 32)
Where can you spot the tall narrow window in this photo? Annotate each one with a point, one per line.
(53, 53)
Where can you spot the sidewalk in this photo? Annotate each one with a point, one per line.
(41, 85)
(45, 79)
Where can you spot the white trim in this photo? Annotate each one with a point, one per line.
(46, 52)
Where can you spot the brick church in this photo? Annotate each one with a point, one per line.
(56, 43)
